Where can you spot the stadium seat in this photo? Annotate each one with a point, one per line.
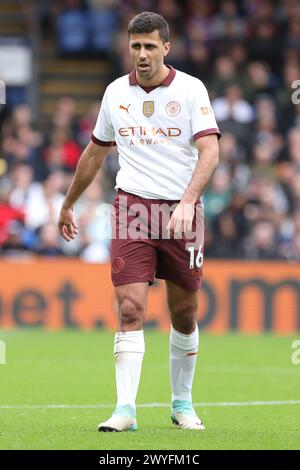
(72, 28)
(102, 27)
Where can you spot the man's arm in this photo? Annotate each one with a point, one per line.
(90, 162)
(208, 149)
(182, 217)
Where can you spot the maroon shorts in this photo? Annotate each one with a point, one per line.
(140, 250)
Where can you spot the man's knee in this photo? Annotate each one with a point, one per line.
(185, 309)
(184, 316)
(131, 313)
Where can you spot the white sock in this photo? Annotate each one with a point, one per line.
(129, 349)
(183, 356)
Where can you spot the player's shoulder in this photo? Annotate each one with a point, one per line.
(118, 83)
(189, 80)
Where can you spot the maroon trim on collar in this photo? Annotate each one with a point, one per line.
(167, 81)
(170, 77)
(132, 78)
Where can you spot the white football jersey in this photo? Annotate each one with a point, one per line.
(155, 132)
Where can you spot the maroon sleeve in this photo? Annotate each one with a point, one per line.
(103, 143)
(213, 130)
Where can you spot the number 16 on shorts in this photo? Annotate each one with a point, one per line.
(196, 261)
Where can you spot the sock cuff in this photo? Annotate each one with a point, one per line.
(185, 342)
(129, 341)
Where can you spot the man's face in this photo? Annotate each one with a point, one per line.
(147, 52)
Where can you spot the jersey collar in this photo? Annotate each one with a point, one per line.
(166, 82)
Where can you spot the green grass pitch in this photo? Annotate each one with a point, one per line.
(75, 369)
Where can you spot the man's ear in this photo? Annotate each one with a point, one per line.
(167, 47)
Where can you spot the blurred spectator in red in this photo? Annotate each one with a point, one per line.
(8, 213)
(63, 152)
(87, 123)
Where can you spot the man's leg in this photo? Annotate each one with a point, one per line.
(129, 344)
(183, 305)
(129, 348)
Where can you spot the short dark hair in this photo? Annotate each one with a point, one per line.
(147, 22)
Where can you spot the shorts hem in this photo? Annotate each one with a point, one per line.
(180, 284)
(131, 281)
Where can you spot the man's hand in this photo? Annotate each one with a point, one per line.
(66, 224)
(181, 220)
(89, 164)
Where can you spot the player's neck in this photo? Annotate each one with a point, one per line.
(156, 80)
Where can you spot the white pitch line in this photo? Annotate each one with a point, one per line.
(156, 405)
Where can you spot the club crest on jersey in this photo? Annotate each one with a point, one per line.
(173, 108)
(148, 108)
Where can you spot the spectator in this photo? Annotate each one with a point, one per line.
(247, 53)
(227, 240)
(49, 243)
(233, 106)
(15, 245)
(262, 243)
(8, 212)
(218, 196)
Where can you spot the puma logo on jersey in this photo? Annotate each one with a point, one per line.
(124, 107)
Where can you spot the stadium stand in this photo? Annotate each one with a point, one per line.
(246, 52)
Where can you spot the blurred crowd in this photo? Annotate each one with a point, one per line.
(248, 55)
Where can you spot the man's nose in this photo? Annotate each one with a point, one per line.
(143, 54)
